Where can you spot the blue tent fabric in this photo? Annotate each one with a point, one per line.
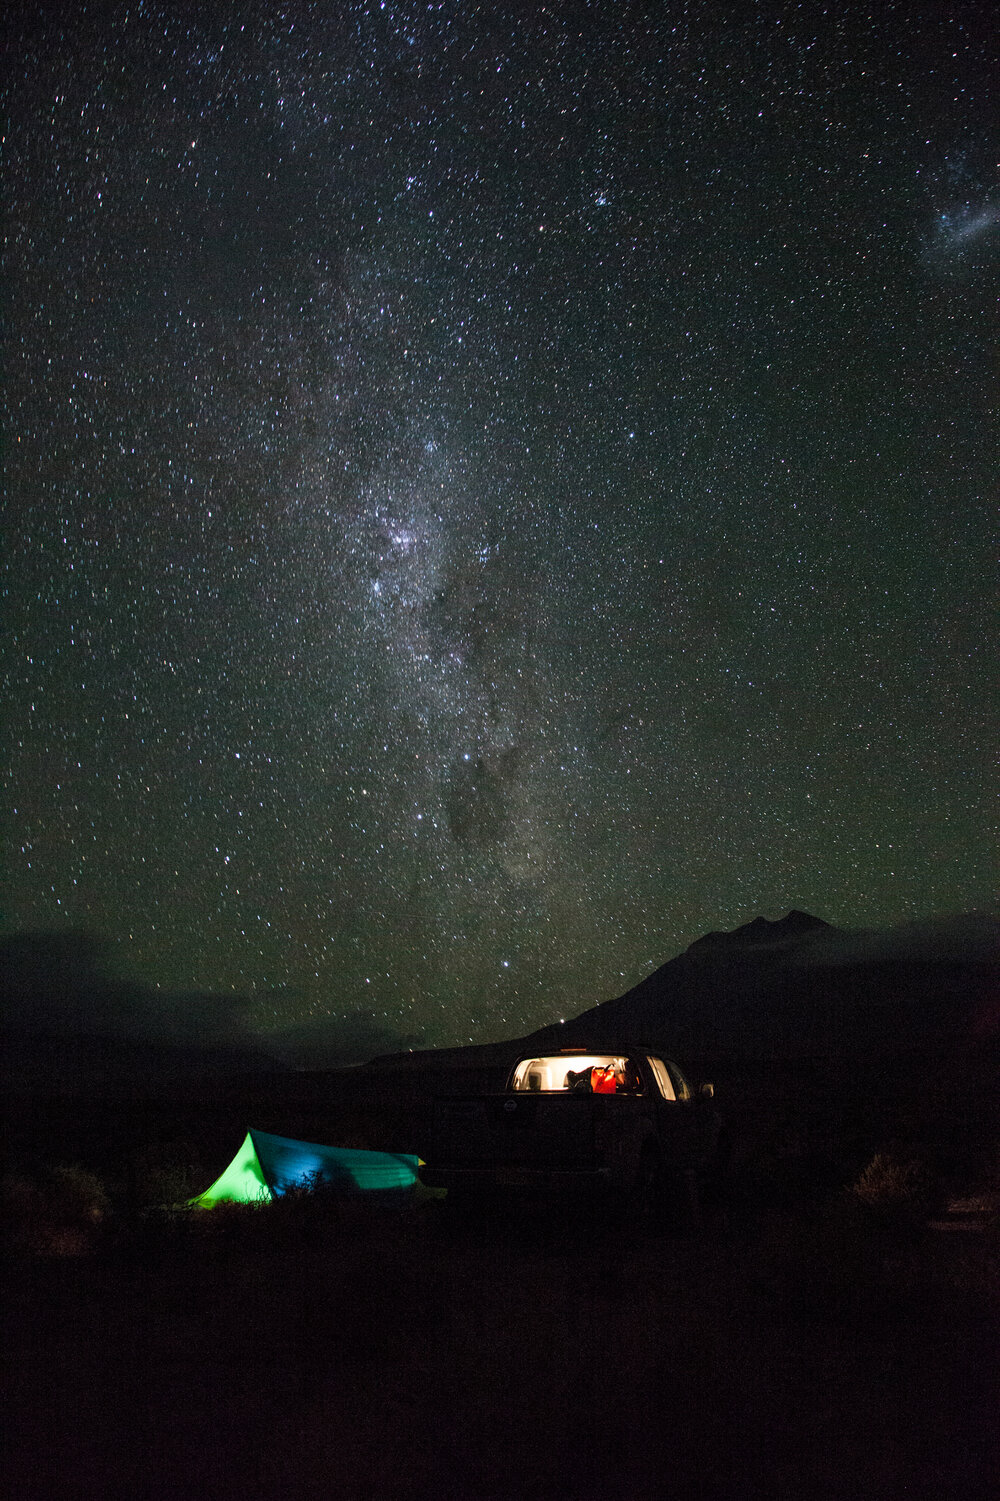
(266, 1166)
(288, 1164)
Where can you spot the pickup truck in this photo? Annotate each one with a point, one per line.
(623, 1121)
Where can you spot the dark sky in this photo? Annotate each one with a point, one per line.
(494, 491)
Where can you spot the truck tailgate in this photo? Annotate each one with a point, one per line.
(515, 1131)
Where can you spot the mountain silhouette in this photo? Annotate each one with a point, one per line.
(793, 925)
(793, 989)
(801, 987)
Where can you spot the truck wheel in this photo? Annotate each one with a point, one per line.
(686, 1201)
(645, 1200)
(716, 1181)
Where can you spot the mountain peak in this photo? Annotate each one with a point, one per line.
(794, 924)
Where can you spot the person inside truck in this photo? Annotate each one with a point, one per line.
(616, 1076)
(630, 1081)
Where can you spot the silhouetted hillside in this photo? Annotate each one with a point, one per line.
(49, 1064)
(70, 1025)
(801, 988)
(793, 926)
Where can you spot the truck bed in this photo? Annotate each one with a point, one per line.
(519, 1135)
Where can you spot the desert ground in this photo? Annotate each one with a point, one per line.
(801, 1337)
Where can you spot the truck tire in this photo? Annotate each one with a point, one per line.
(716, 1182)
(645, 1196)
(684, 1206)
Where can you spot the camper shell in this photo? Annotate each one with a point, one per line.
(623, 1119)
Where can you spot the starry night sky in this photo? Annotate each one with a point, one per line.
(494, 492)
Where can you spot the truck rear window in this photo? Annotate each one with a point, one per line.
(591, 1073)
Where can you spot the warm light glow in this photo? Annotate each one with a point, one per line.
(552, 1072)
(662, 1078)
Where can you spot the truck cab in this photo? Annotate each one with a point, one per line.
(622, 1119)
(575, 1070)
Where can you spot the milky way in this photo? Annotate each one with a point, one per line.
(493, 491)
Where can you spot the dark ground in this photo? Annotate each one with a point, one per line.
(796, 1344)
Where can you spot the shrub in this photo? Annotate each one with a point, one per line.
(898, 1193)
(53, 1211)
(162, 1174)
(168, 1184)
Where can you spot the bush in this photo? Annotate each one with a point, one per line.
(53, 1211)
(899, 1194)
(161, 1174)
(168, 1184)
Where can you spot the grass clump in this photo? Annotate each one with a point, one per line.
(898, 1193)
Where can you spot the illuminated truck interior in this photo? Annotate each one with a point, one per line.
(591, 1073)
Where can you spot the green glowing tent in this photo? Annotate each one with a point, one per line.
(265, 1167)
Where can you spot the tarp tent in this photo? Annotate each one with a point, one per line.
(265, 1167)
